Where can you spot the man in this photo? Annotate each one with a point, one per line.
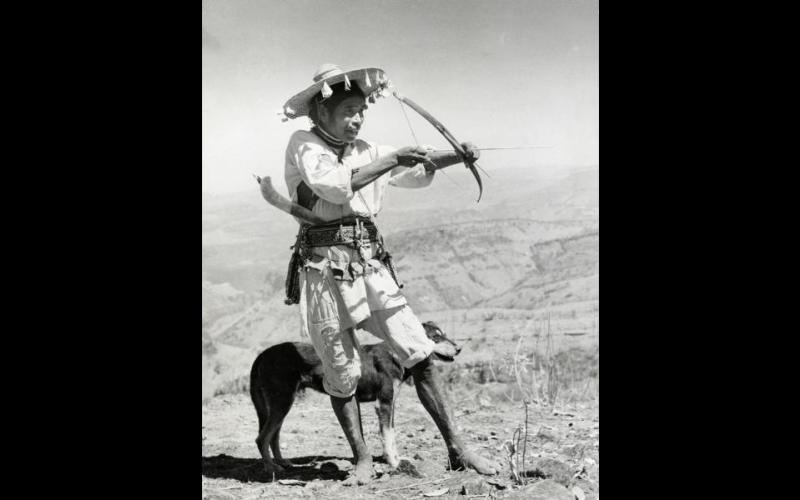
(346, 279)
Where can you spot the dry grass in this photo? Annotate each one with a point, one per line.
(538, 376)
(546, 377)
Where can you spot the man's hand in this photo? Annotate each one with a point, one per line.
(471, 151)
(410, 156)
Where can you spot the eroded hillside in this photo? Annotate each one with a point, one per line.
(496, 263)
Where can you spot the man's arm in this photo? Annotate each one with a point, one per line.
(444, 159)
(407, 157)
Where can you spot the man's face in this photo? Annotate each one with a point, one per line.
(346, 119)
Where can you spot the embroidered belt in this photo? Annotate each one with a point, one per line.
(341, 233)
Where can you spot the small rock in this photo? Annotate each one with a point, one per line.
(417, 456)
(406, 467)
(218, 495)
(546, 489)
(483, 437)
(409, 435)
(291, 482)
(546, 435)
(589, 490)
(493, 433)
(476, 486)
(579, 494)
(548, 468)
(575, 450)
(500, 485)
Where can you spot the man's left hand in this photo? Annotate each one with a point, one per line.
(472, 153)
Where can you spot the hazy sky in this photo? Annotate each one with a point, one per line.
(496, 73)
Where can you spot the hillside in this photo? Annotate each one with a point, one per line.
(485, 263)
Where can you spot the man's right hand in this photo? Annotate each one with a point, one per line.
(410, 156)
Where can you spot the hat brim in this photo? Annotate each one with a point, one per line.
(298, 105)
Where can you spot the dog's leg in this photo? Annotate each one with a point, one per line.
(262, 421)
(260, 401)
(279, 405)
(385, 412)
(275, 443)
(263, 448)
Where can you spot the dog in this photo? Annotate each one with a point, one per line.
(281, 371)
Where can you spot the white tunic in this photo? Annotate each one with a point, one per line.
(311, 160)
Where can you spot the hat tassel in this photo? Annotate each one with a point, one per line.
(326, 90)
(346, 82)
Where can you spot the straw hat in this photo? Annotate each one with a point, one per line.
(371, 81)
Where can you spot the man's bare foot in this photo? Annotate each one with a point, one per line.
(361, 474)
(471, 460)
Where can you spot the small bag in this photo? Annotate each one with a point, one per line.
(293, 273)
(293, 281)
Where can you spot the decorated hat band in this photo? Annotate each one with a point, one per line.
(372, 82)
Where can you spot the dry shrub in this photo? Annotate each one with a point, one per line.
(534, 372)
(237, 385)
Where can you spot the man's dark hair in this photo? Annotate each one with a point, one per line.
(339, 95)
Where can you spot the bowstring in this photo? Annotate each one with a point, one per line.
(403, 108)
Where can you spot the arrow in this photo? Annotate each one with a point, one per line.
(502, 147)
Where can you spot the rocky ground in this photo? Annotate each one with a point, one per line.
(561, 452)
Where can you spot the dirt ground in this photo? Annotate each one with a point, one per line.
(562, 445)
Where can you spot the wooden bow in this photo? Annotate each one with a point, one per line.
(469, 162)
